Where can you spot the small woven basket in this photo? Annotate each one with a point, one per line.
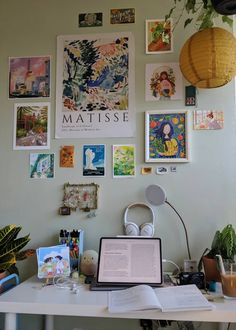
(208, 58)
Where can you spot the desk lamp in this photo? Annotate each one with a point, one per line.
(156, 196)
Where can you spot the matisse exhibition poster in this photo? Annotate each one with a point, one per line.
(95, 86)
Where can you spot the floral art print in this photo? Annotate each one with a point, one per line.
(123, 161)
(166, 136)
(95, 83)
(159, 38)
(163, 82)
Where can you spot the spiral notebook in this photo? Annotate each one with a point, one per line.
(127, 261)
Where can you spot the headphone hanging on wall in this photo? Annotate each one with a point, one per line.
(145, 229)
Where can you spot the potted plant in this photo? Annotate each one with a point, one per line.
(11, 249)
(224, 243)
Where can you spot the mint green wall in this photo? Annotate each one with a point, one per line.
(203, 190)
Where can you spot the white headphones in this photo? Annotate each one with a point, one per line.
(145, 229)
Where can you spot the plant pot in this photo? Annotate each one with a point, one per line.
(158, 45)
(211, 270)
(224, 7)
(3, 274)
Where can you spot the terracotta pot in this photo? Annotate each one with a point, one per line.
(210, 269)
(3, 274)
(224, 7)
(158, 45)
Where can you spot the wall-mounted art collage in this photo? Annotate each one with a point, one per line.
(95, 98)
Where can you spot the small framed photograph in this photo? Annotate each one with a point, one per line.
(166, 136)
(159, 37)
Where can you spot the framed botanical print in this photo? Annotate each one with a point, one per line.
(159, 37)
(166, 136)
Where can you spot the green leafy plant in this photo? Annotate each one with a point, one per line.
(224, 243)
(10, 248)
(201, 12)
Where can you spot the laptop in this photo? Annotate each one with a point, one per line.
(127, 261)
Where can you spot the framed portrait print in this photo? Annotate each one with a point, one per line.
(159, 37)
(166, 136)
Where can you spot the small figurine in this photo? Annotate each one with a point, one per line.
(88, 264)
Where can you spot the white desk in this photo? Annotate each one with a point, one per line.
(31, 298)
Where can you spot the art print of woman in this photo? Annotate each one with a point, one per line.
(166, 139)
(163, 82)
(163, 85)
(168, 146)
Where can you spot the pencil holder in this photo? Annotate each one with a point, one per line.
(75, 240)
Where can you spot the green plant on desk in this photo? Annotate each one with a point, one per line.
(10, 248)
(224, 244)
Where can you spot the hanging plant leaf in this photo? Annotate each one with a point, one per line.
(228, 20)
(187, 22)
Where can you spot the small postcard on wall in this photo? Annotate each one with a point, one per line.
(123, 161)
(121, 16)
(42, 166)
(208, 119)
(67, 156)
(90, 19)
(94, 160)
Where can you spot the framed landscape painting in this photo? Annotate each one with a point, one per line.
(166, 136)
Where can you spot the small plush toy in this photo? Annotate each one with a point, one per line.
(88, 263)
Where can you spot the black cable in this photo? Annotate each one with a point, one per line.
(185, 230)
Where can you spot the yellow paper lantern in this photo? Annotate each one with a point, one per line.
(208, 58)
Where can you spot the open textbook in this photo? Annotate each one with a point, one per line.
(166, 299)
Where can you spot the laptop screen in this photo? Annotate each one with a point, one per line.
(129, 260)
